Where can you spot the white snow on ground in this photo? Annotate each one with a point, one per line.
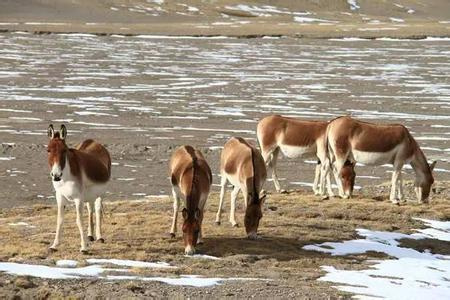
(405, 278)
(67, 263)
(439, 230)
(413, 275)
(309, 20)
(21, 224)
(265, 10)
(203, 256)
(353, 4)
(7, 158)
(129, 263)
(398, 20)
(66, 269)
(49, 272)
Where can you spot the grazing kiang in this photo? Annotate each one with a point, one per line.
(298, 138)
(243, 166)
(376, 144)
(79, 175)
(191, 180)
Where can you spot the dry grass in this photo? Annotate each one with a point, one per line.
(139, 230)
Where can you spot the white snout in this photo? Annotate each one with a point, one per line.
(189, 250)
(56, 172)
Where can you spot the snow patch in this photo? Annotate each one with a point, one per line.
(413, 275)
(21, 224)
(353, 4)
(66, 269)
(67, 263)
(203, 256)
(129, 263)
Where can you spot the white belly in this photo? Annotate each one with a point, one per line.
(233, 179)
(297, 151)
(374, 158)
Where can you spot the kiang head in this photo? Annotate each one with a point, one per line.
(57, 150)
(423, 183)
(348, 178)
(191, 230)
(253, 214)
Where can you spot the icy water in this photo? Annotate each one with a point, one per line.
(144, 95)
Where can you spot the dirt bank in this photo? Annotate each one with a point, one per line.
(312, 19)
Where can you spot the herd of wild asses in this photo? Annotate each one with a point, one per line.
(80, 174)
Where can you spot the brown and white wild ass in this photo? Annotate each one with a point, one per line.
(297, 138)
(191, 180)
(376, 144)
(78, 175)
(243, 166)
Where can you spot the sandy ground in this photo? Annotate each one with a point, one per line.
(139, 231)
(315, 19)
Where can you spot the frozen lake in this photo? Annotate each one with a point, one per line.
(144, 95)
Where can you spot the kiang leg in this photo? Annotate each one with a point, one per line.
(59, 221)
(176, 205)
(234, 195)
(90, 210)
(223, 185)
(98, 219)
(79, 210)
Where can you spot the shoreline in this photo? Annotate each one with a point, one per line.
(414, 31)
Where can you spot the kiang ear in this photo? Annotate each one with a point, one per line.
(63, 132)
(184, 212)
(50, 131)
(432, 165)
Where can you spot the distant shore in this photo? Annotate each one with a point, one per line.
(249, 30)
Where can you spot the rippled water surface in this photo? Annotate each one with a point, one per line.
(144, 95)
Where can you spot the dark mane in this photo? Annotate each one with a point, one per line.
(255, 196)
(192, 198)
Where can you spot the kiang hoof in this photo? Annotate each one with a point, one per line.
(101, 240)
(217, 223)
(235, 225)
(90, 238)
(200, 243)
(172, 235)
(325, 197)
(283, 192)
(84, 252)
(52, 250)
